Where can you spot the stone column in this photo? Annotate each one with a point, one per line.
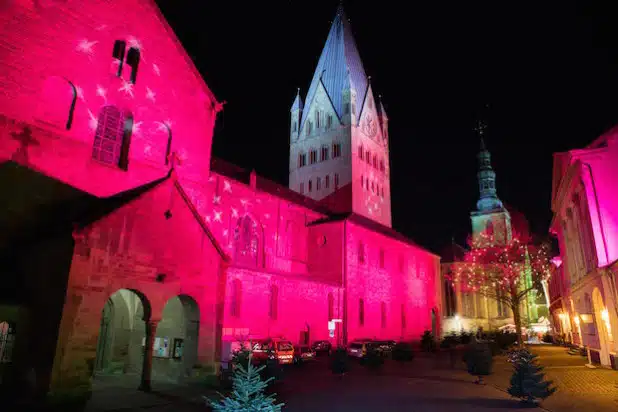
(151, 333)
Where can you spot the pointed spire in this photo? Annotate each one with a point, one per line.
(486, 176)
(339, 67)
(298, 102)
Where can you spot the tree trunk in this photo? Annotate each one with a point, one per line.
(517, 320)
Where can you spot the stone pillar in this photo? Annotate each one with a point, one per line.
(151, 333)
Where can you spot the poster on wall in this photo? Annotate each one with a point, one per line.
(161, 348)
(178, 348)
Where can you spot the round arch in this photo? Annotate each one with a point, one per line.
(122, 333)
(601, 318)
(176, 343)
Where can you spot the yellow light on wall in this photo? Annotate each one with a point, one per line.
(608, 326)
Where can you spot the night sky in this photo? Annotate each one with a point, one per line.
(549, 73)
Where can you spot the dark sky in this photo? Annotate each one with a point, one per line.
(549, 73)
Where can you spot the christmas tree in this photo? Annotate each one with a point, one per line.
(479, 360)
(248, 392)
(527, 382)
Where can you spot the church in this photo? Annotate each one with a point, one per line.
(128, 251)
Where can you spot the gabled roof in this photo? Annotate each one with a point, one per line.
(339, 67)
(370, 225)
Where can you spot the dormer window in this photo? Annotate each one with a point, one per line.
(133, 61)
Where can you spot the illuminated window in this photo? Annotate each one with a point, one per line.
(383, 314)
(247, 239)
(368, 157)
(274, 297)
(336, 150)
(361, 312)
(317, 119)
(313, 156)
(324, 154)
(112, 137)
(361, 252)
(326, 181)
(331, 306)
(318, 183)
(236, 298)
(309, 186)
(336, 179)
(361, 151)
(302, 188)
(133, 62)
(381, 260)
(118, 54)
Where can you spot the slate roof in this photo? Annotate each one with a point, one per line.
(339, 66)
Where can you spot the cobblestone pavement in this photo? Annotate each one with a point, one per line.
(426, 384)
(579, 387)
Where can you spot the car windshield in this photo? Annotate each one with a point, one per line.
(261, 345)
(356, 345)
(284, 346)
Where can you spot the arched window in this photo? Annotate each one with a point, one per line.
(331, 307)
(133, 62)
(236, 295)
(383, 314)
(168, 147)
(112, 138)
(247, 237)
(274, 298)
(56, 103)
(361, 312)
(118, 54)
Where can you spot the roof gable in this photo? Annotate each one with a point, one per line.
(339, 67)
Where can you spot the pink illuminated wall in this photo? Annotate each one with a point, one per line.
(56, 64)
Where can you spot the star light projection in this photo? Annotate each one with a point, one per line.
(507, 274)
(127, 89)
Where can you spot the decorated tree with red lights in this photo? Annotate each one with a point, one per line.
(506, 273)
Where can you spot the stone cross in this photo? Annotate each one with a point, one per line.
(25, 140)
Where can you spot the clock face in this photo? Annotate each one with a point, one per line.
(370, 126)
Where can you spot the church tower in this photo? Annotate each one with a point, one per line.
(339, 138)
(490, 216)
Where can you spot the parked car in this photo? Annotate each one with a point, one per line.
(303, 353)
(274, 348)
(386, 346)
(321, 346)
(359, 348)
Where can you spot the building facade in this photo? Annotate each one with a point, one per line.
(129, 252)
(585, 211)
(491, 221)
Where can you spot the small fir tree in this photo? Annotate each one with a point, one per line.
(479, 360)
(527, 382)
(247, 393)
(339, 362)
(428, 343)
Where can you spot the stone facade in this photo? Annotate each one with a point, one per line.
(585, 209)
(132, 252)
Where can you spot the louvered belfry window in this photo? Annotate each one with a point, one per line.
(109, 136)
